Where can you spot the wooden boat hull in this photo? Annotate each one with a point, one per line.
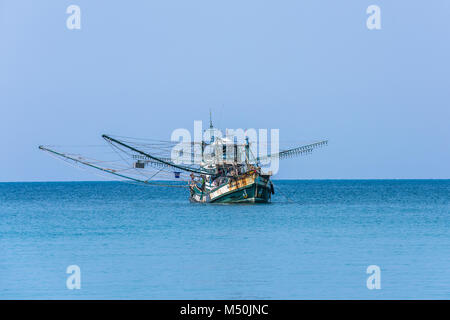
(249, 188)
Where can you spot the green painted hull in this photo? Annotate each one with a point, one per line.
(250, 194)
(258, 191)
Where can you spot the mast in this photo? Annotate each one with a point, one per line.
(210, 120)
(211, 128)
(247, 151)
(235, 150)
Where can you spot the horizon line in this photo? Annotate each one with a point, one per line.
(287, 179)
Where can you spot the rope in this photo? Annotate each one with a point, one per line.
(287, 198)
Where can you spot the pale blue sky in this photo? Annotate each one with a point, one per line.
(310, 68)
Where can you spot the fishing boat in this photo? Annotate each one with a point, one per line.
(220, 169)
(231, 181)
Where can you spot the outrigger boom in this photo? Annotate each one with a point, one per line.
(110, 171)
(108, 138)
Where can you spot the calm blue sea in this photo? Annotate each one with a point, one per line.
(315, 241)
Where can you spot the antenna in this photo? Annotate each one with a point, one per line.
(210, 119)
